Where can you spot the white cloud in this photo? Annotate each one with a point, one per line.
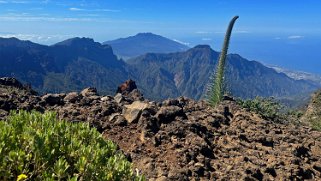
(222, 32)
(181, 42)
(241, 31)
(36, 8)
(219, 32)
(295, 37)
(14, 2)
(93, 10)
(277, 38)
(206, 39)
(20, 2)
(89, 15)
(107, 10)
(203, 32)
(76, 9)
(26, 18)
(23, 2)
(35, 37)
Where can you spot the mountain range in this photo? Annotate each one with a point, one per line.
(76, 63)
(188, 73)
(66, 66)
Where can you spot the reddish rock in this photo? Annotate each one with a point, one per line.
(127, 87)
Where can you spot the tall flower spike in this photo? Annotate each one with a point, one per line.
(216, 92)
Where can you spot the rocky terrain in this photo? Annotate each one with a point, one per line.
(182, 139)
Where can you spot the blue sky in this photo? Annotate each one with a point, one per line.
(271, 31)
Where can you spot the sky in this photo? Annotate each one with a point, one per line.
(286, 33)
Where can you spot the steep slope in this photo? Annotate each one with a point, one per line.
(188, 74)
(65, 66)
(24, 60)
(144, 43)
(312, 115)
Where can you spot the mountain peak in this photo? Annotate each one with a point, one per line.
(15, 42)
(146, 34)
(77, 41)
(143, 43)
(202, 47)
(205, 49)
(12, 39)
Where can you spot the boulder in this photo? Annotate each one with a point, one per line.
(53, 99)
(167, 114)
(133, 111)
(126, 87)
(119, 98)
(90, 91)
(72, 97)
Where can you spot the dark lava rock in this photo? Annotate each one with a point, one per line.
(184, 139)
(13, 82)
(53, 99)
(10, 81)
(73, 97)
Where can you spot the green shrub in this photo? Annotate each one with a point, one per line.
(316, 124)
(268, 108)
(35, 146)
(215, 94)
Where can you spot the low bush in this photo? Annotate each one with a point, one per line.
(316, 124)
(35, 146)
(268, 108)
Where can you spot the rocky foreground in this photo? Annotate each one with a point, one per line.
(181, 139)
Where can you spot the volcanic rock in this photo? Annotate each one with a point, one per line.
(182, 139)
(90, 91)
(10, 81)
(53, 99)
(133, 111)
(126, 87)
(72, 97)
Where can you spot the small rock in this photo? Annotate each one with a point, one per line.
(127, 87)
(53, 99)
(85, 101)
(119, 98)
(162, 178)
(106, 98)
(136, 95)
(133, 111)
(171, 102)
(117, 119)
(90, 91)
(166, 114)
(198, 164)
(72, 97)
